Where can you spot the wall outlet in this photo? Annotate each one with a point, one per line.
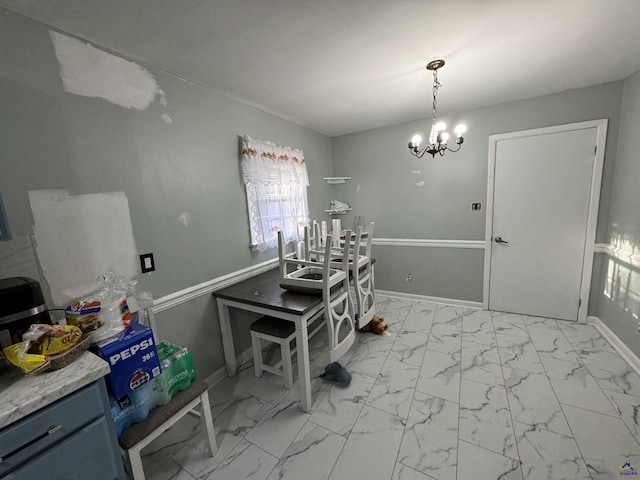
(146, 263)
(409, 277)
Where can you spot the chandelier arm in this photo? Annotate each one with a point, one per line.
(420, 153)
(454, 151)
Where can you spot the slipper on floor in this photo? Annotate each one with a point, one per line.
(335, 372)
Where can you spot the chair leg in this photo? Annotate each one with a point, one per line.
(135, 461)
(207, 423)
(286, 364)
(257, 354)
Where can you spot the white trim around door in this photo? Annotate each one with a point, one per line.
(596, 181)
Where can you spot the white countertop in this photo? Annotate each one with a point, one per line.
(21, 395)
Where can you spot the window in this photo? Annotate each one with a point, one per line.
(276, 184)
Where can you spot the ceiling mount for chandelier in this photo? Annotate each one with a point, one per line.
(438, 136)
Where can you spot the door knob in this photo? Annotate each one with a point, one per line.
(500, 240)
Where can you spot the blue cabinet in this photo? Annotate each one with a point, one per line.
(72, 438)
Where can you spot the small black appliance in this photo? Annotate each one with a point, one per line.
(21, 304)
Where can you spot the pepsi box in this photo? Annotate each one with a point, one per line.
(133, 359)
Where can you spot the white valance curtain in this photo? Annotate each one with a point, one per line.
(276, 184)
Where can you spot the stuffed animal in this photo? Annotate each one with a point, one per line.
(376, 325)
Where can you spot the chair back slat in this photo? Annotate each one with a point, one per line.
(363, 276)
(338, 306)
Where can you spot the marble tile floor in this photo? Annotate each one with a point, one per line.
(451, 393)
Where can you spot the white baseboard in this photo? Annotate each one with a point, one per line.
(625, 352)
(425, 298)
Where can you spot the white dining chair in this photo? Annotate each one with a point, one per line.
(360, 266)
(337, 313)
(363, 280)
(338, 305)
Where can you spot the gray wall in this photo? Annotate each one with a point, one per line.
(619, 293)
(383, 187)
(50, 139)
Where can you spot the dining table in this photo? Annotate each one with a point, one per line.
(263, 294)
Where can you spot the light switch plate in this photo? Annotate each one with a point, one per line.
(146, 263)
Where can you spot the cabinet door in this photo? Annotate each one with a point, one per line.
(86, 455)
(26, 438)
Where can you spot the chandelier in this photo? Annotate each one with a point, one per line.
(438, 136)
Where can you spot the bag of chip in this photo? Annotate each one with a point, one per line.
(50, 339)
(29, 363)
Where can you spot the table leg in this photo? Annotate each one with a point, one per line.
(227, 338)
(304, 374)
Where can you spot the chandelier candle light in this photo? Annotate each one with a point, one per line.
(439, 136)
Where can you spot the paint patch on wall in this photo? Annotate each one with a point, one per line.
(419, 184)
(80, 237)
(185, 218)
(90, 72)
(416, 172)
(166, 118)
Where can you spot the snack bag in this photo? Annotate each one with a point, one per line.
(29, 363)
(105, 313)
(84, 314)
(50, 339)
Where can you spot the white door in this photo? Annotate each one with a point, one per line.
(542, 220)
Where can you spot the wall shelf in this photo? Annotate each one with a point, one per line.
(335, 180)
(338, 212)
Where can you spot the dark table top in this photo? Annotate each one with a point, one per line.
(264, 291)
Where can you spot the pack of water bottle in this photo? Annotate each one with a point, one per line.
(133, 407)
(178, 372)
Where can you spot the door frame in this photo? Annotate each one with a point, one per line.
(594, 202)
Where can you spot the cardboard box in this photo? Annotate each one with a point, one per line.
(133, 359)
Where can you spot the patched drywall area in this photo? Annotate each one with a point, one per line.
(79, 237)
(90, 72)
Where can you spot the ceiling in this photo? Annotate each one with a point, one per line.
(342, 66)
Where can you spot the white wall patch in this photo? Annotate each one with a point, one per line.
(419, 184)
(80, 237)
(416, 172)
(166, 118)
(90, 72)
(185, 218)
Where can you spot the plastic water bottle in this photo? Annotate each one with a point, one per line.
(184, 372)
